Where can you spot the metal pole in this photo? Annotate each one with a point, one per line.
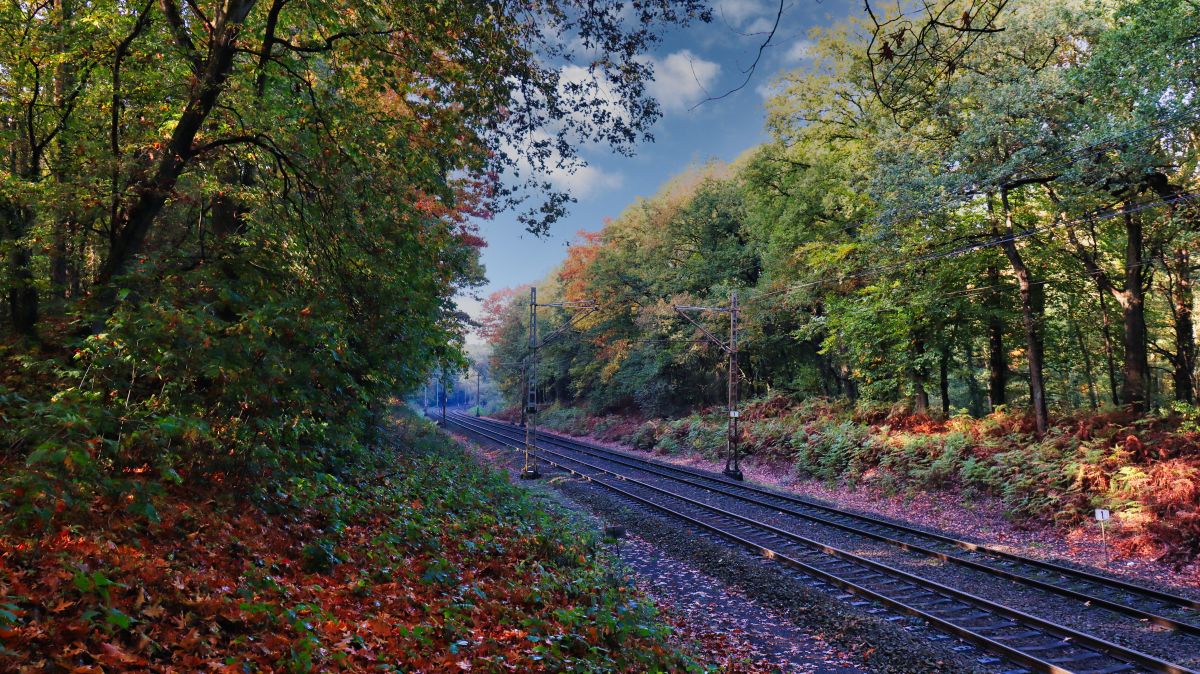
(1104, 542)
(524, 390)
(444, 395)
(478, 376)
(530, 471)
(731, 457)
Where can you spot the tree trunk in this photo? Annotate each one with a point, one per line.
(920, 394)
(1185, 343)
(133, 223)
(1136, 369)
(1087, 356)
(1181, 295)
(978, 401)
(849, 385)
(944, 381)
(997, 358)
(22, 293)
(22, 296)
(1110, 359)
(63, 81)
(920, 397)
(1030, 319)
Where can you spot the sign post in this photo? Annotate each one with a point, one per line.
(1102, 516)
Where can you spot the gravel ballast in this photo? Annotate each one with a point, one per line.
(886, 642)
(1117, 627)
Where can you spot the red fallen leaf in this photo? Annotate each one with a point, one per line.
(113, 655)
(62, 606)
(154, 611)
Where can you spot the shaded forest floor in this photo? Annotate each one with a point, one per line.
(990, 478)
(430, 562)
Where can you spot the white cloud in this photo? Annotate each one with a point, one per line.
(800, 50)
(681, 80)
(576, 176)
(736, 12)
(769, 89)
(586, 181)
(760, 26)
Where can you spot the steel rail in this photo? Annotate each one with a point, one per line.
(1113, 583)
(1069, 637)
(730, 490)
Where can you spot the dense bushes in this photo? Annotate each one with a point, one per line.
(1144, 469)
(206, 378)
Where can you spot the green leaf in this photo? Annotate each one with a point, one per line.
(118, 619)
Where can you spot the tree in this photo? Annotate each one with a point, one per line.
(262, 211)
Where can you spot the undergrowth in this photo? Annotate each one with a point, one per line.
(425, 560)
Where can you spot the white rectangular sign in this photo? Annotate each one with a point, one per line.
(734, 414)
(1102, 515)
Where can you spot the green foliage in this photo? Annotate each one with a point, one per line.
(320, 556)
(566, 419)
(879, 251)
(827, 450)
(228, 238)
(462, 503)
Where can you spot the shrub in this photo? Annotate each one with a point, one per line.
(827, 452)
(708, 439)
(570, 420)
(645, 436)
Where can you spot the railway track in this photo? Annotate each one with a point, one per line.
(757, 518)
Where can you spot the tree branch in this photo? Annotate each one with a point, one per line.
(329, 41)
(180, 33)
(753, 66)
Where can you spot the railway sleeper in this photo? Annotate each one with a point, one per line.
(930, 608)
(1115, 669)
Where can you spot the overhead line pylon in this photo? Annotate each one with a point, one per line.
(732, 469)
(530, 471)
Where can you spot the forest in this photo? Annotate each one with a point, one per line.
(236, 237)
(231, 233)
(1006, 238)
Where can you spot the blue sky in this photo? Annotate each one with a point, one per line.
(714, 55)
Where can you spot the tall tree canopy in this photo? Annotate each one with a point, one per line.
(1000, 217)
(230, 229)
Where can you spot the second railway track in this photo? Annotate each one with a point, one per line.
(766, 521)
